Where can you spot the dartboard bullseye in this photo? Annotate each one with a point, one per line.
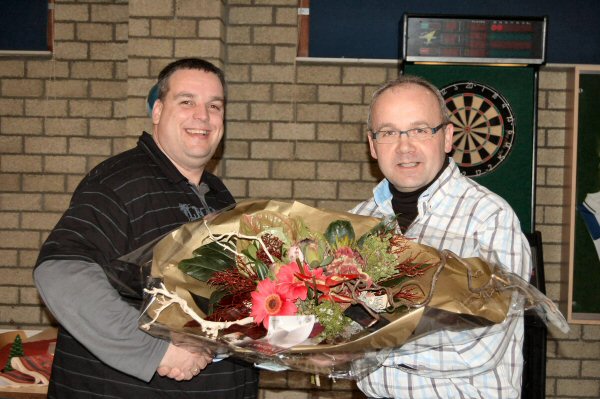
(484, 126)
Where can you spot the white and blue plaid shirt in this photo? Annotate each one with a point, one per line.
(459, 215)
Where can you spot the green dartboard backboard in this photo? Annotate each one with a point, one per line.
(493, 112)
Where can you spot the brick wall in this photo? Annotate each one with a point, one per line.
(573, 369)
(295, 130)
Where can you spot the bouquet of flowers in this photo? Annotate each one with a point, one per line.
(290, 286)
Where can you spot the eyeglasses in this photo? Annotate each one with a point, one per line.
(418, 133)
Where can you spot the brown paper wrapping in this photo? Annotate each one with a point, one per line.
(463, 286)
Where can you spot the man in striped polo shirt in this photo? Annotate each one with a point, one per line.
(125, 202)
(410, 135)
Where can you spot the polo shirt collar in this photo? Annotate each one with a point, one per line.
(149, 146)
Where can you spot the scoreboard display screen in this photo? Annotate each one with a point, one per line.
(474, 40)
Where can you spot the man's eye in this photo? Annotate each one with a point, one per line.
(187, 102)
(387, 133)
(216, 107)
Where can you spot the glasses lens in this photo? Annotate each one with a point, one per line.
(387, 136)
(420, 133)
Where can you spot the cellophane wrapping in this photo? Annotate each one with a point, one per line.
(434, 291)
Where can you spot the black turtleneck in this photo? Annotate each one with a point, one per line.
(405, 204)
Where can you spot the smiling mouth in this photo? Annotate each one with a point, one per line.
(197, 131)
(408, 164)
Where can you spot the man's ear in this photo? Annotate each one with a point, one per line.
(448, 133)
(372, 147)
(156, 111)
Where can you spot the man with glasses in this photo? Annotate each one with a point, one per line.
(410, 135)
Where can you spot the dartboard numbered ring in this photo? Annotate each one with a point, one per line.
(484, 126)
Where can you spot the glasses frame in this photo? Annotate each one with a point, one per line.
(434, 130)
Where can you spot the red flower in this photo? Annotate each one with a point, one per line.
(269, 300)
(295, 280)
(314, 279)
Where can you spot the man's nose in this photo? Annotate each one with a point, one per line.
(200, 112)
(405, 144)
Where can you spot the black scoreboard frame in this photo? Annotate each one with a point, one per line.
(536, 39)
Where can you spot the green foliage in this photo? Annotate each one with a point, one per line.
(262, 270)
(207, 260)
(251, 253)
(214, 299)
(340, 233)
(380, 264)
(316, 251)
(331, 316)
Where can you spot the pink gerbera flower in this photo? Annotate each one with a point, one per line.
(269, 300)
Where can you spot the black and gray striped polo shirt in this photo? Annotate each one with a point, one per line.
(125, 202)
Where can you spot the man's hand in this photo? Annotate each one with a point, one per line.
(181, 364)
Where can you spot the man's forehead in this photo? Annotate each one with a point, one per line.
(190, 85)
(191, 94)
(410, 88)
(403, 95)
(402, 100)
(185, 76)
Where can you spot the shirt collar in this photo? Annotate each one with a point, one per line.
(383, 195)
(149, 146)
(450, 171)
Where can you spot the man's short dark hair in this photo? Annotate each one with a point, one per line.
(186, 63)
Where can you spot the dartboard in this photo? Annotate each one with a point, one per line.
(484, 126)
